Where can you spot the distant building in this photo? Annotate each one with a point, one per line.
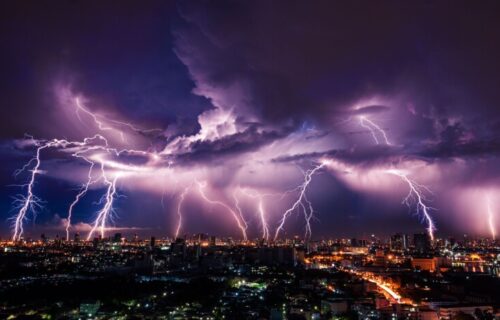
(95, 242)
(450, 312)
(178, 248)
(89, 309)
(427, 314)
(277, 256)
(399, 242)
(424, 264)
(335, 306)
(358, 242)
(117, 238)
(422, 243)
(276, 314)
(379, 259)
(381, 302)
(357, 250)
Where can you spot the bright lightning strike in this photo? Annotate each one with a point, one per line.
(242, 225)
(308, 210)
(103, 123)
(417, 194)
(240, 212)
(301, 203)
(373, 128)
(179, 212)
(262, 214)
(100, 124)
(104, 214)
(80, 194)
(491, 222)
(261, 211)
(30, 201)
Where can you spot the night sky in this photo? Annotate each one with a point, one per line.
(217, 111)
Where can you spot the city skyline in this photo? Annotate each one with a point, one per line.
(250, 120)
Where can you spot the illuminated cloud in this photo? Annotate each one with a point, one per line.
(247, 99)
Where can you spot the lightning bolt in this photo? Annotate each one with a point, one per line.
(86, 185)
(417, 195)
(179, 212)
(240, 212)
(103, 123)
(491, 222)
(30, 201)
(111, 171)
(260, 210)
(299, 203)
(262, 215)
(416, 190)
(80, 195)
(104, 214)
(100, 124)
(373, 128)
(308, 211)
(242, 225)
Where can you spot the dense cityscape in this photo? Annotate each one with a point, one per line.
(207, 277)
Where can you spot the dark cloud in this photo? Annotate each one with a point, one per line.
(294, 61)
(386, 155)
(370, 110)
(472, 149)
(120, 57)
(367, 157)
(212, 152)
(227, 79)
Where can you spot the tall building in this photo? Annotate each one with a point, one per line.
(354, 242)
(178, 247)
(117, 238)
(422, 242)
(95, 242)
(399, 242)
(277, 256)
(358, 242)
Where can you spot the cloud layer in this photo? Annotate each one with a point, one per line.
(269, 90)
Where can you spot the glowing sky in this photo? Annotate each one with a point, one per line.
(233, 115)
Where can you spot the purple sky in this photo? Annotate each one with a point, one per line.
(228, 105)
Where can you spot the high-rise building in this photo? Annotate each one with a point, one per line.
(421, 242)
(399, 242)
(95, 242)
(117, 238)
(358, 242)
(354, 242)
(178, 248)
